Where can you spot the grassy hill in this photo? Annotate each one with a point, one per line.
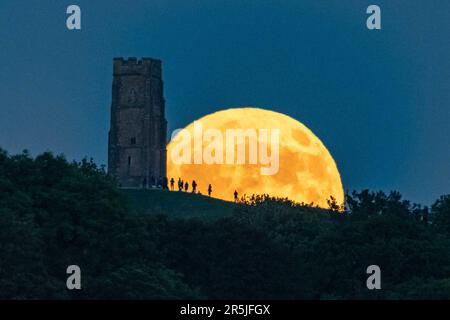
(54, 213)
(177, 204)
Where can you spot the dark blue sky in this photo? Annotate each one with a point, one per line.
(379, 100)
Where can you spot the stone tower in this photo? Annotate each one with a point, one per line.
(137, 136)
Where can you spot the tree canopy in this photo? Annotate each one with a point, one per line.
(55, 213)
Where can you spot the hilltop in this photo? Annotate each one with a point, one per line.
(177, 204)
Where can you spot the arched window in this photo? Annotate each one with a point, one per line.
(132, 97)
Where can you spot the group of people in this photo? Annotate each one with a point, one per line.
(184, 185)
(163, 183)
(160, 183)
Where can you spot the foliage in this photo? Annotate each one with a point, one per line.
(54, 213)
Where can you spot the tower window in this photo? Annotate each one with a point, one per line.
(133, 140)
(132, 96)
(129, 161)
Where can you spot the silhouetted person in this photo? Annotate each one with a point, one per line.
(235, 196)
(172, 183)
(186, 186)
(209, 190)
(180, 184)
(194, 186)
(165, 183)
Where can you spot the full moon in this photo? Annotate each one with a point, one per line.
(307, 172)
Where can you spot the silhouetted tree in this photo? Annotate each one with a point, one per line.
(441, 213)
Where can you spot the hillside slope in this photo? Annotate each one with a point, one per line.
(176, 204)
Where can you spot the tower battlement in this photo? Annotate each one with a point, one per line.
(133, 65)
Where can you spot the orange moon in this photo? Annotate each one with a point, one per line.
(306, 171)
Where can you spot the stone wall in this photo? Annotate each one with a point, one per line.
(138, 129)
